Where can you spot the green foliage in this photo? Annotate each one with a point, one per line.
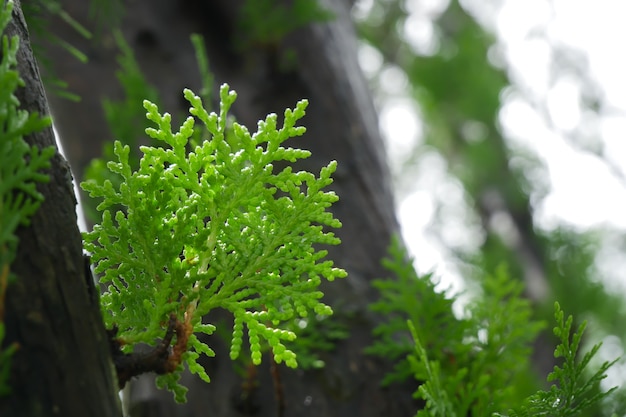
(20, 166)
(491, 367)
(217, 227)
(124, 117)
(438, 403)
(5, 362)
(472, 365)
(316, 337)
(107, 13)
(38, 14)
(206, 86)
(316, 334)
(454, 396)
(267, 22)
(574, 391)
(477, 365)
(412, 297)
(206, 75)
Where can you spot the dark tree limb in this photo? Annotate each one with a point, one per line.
(161, 359)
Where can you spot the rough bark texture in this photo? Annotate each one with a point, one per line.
(342, 125)
(63, 366)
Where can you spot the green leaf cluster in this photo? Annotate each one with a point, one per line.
(215, 226)
(269, 21)
(480, 354)
(316, 334)
(573, 391)
(477, 364)
(20, 170)
(469, 363)
(38, 15)
(125, 118)
(411, 297)
(488, 369)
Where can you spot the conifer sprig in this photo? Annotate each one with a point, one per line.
(215, 227)
(478, 364)
(575, 390)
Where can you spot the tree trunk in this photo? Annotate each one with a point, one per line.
(63, 366)
(342, 125)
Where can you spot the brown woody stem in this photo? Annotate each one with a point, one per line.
(161, 359)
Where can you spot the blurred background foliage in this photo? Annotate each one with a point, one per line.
(442, 63)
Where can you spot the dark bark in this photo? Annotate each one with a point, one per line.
(62, 366)
(342, 125)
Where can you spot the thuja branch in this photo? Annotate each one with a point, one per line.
(212, 225)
